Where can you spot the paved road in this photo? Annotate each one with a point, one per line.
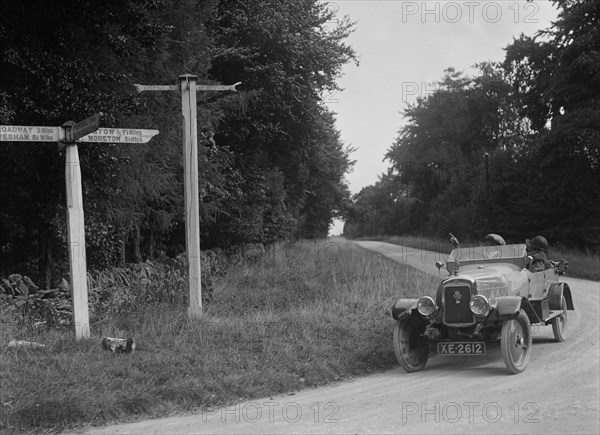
(558, 393)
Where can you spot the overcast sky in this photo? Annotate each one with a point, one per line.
(403, 49)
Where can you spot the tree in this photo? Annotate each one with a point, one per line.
(272, 162)
(286, 58)
(57, 65)
(535, 116)
(379, 209)
(564, 106)
(439, 153)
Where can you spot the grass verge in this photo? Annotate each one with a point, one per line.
(305, 315)
(582, 264)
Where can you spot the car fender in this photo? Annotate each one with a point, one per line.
(403, 308)
(509, 307)
(555, 293)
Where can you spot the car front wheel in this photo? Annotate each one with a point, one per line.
(559, 324)
(411, 349)
(516, 343)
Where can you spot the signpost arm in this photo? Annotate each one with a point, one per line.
(190, 166)
(76, 240)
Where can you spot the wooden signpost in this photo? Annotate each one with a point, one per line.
(188, 88)
(68, 135)
(76, 224)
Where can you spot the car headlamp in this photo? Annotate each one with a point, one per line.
(479, 305)
(426, 306)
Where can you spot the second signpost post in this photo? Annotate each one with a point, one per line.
(188, 88)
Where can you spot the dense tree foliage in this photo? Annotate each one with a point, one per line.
(272, 163)
(514, 149)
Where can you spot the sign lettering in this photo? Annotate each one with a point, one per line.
(19, 133)
(142, 88)
(119, 135)
(217, 87)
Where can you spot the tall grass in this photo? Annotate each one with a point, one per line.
(305, 315)
(583, 264)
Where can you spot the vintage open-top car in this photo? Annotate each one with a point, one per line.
(490, 294)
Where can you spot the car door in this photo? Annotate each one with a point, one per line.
(537, 286)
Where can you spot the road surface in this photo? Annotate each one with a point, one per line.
(557, 393)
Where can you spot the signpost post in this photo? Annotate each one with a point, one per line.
(69, 134)
(76, 224)
(188, 88)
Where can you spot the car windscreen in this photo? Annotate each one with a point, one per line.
(486, 253)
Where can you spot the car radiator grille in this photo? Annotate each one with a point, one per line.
(457, 305)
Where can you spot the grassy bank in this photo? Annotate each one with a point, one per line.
(582, 264)
(305, 315)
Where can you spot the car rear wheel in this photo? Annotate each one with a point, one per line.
(559, 324)
(411, 349)
(516, 343)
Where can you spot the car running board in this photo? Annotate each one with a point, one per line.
(552, 315)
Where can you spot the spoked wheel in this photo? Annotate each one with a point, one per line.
(559, 324)
(516, 343)
(410, 347)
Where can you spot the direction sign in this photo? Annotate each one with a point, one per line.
(20, 133)
(87, 126)
(218, 87)
(143, 88)
(119, 135)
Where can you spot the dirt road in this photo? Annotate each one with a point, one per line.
(558, 393)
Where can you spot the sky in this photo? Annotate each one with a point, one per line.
(403, 49)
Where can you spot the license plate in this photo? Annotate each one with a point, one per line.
(457, 348)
